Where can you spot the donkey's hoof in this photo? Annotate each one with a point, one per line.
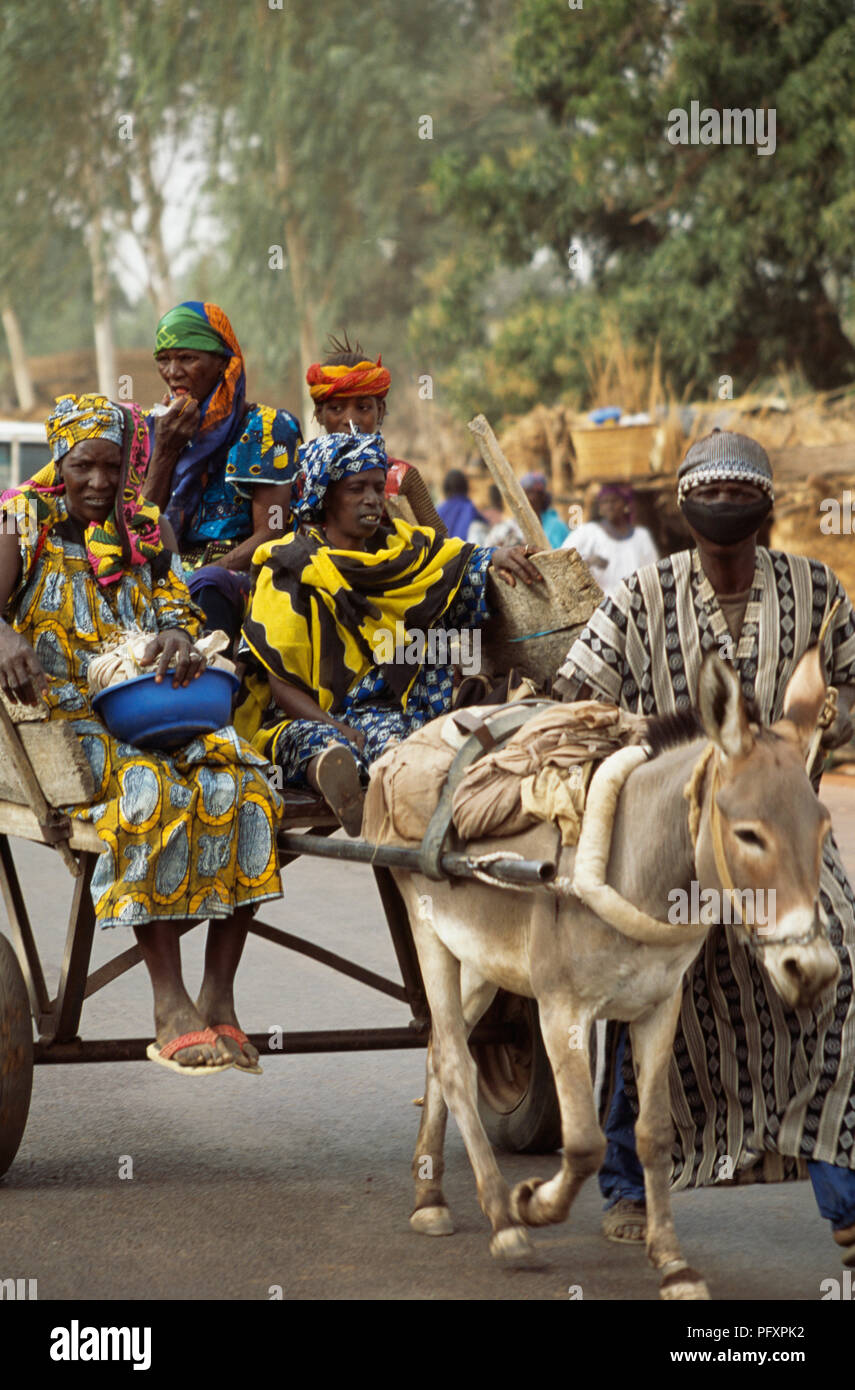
(680, 1281)
(513, 1247)
(523, 1208)
(432, 1221)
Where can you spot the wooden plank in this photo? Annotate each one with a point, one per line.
(58, 761)
(22, 931)
(508, 483)
(62, 1023)
(21, 821)
(802, 460)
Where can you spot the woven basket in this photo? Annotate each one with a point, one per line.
(612, 451)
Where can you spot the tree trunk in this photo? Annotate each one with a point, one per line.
(105, 352)
(297, 255)
(20, 366)
(160, 286)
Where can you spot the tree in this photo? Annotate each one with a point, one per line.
(329, 117)
(735, 261)
(88, 113)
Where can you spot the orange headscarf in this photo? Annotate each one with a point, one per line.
(365, 379)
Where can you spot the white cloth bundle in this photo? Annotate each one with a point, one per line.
(121, 660)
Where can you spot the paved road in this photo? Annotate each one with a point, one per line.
(300, 1178)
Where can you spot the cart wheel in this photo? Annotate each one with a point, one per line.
(516, 1092)
(16, 1054)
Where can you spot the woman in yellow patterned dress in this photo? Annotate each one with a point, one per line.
(188, 834)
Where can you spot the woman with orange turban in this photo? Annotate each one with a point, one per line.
(349, 391)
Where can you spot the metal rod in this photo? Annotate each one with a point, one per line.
(338, 1040)
(525, 872)
(336, 962)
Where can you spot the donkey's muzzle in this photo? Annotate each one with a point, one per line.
(802, 973)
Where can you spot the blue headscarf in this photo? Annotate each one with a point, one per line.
(328, 459)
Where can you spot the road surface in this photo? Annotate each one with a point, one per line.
(299, 1180)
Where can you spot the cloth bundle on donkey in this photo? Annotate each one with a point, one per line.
(540, 774)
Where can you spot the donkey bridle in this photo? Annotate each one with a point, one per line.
(756, 944)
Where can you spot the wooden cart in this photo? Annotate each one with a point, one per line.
(42, 768)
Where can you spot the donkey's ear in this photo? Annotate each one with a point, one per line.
(722, 708)
(805, 694)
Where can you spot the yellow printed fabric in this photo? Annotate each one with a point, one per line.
(188, 833)
(322, 618)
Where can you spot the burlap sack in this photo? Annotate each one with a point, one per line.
(406, 783)
(489, 800)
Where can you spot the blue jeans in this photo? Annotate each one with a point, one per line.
(623, 1176)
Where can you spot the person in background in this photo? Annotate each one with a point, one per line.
(459, 513)
(349, 391)
(221, 468)
(535, 487)
(503, 529)
(613, 546)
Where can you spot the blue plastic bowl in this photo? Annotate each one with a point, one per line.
(157, 716)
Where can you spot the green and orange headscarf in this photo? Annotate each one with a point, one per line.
(204, 327)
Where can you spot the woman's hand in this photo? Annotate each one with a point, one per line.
(22, 676)
(511, 562)
(355, 735)
(174, 642)
(177, 426)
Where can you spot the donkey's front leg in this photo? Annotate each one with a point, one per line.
(458, 1077)
(431, 1216)
(652, 1045)
(538, 1202)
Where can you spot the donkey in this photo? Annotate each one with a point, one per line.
(599, 948)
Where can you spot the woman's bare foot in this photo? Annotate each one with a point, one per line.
(217, 1010)
(182, 1017)
(174, 1011)
(216, 1002)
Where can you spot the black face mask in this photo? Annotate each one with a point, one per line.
(725, 523)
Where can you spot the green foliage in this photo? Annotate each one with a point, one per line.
(733, 261)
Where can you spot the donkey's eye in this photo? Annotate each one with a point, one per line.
(750, 837)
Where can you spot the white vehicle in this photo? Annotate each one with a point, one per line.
(23, 450)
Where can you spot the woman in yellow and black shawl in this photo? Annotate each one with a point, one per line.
(350, 621)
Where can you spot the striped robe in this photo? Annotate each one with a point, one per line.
(750, 1079)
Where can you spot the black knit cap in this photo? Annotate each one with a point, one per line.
(725, 457)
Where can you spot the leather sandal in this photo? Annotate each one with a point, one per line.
(337, 776)
(626, 1222)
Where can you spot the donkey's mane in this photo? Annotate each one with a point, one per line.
(664, 731)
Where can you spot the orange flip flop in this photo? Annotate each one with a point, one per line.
(226, 1030)
(164, 1055)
